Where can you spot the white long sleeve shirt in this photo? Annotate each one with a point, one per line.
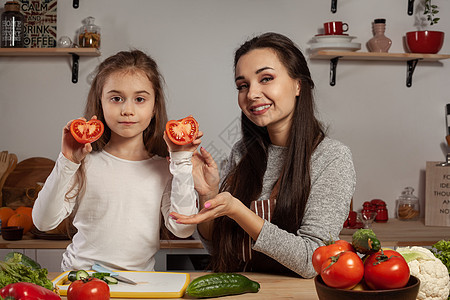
(118, 215)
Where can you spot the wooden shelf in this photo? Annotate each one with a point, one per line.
(411, 59)
(347, 55)
(74, 52)
(49, 51)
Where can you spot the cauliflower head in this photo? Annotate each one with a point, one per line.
(432, 273)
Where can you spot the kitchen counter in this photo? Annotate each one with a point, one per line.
(391, 234)
(272, 287)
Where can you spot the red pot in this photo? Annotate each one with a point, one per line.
(427, 41)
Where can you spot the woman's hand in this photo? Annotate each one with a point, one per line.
(224, 204)
(206, 174)
(70, 148)
(188, 147)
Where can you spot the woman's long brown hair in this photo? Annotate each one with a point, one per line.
(245, 181)
(125, 61)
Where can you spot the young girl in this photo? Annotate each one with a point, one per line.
(119, 191)
(287, 187)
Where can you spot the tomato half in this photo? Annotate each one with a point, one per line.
(343, 271)
(86, 132)
(88, 289)
(330, 249)
(386, 269)
(182, 132)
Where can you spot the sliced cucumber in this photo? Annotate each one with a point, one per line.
(100, 275)
(110, 280)
(77, 275)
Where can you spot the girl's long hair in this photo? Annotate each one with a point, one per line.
(245, 181)
(125, 61)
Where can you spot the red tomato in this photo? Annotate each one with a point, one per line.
(88, 289)
(386, 269)
(343, 271)
(86, 132)
(182, 132)
(323, 252)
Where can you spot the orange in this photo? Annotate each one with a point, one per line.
(23, 220)
(5, 214)
(24, 210)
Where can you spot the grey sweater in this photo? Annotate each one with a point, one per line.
(333, 181)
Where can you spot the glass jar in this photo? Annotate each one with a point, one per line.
(89, 34)
(12, 26)
(408, 205)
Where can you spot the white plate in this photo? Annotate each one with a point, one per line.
(333, 38)
(336, 46)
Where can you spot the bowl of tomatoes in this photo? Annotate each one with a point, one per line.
(362, 270)
(408, 292)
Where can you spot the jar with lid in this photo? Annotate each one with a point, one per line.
(89, 34)
(12, 26)
(408, 205)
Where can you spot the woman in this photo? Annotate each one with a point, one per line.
(286, 187)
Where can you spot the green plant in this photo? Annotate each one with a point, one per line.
(431, 10)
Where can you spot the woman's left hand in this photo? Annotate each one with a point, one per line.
(224, 204)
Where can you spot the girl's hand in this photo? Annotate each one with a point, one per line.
(189, 147)
(224, 204)
(206, 174)
(70, 148)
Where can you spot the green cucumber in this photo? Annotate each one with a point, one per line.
(221, 284)
(365, 241)
(25, 260)
(110, 280)
(100, 275)
(77, 275)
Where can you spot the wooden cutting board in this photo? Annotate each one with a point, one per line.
(30, 171)
(149, 284)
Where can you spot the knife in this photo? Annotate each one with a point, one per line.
(99, 268)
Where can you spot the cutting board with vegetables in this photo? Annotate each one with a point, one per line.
(149, 284)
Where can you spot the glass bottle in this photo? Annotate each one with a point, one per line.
(12, 26)
(89, 34)
(379, 43)
(408, 205)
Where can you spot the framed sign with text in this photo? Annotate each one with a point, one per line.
(40, 23)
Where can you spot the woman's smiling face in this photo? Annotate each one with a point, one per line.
(266, 92)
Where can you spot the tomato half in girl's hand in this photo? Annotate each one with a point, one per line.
(86, 132)
(182, 132)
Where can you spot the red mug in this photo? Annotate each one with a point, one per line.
(335, 28)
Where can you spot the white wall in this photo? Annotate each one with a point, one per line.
(392, 130)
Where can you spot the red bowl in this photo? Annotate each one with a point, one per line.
(429, 42)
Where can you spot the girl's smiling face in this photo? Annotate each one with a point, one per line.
(266, 92)
(128, 100)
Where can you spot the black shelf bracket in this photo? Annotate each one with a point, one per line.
(76, 3)
(333, 66)
(410, 7)
(334, 6)
(75, 59)
(411, 66)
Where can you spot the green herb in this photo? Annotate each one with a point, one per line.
(430, 11)
(442, 251)
(13, 270)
